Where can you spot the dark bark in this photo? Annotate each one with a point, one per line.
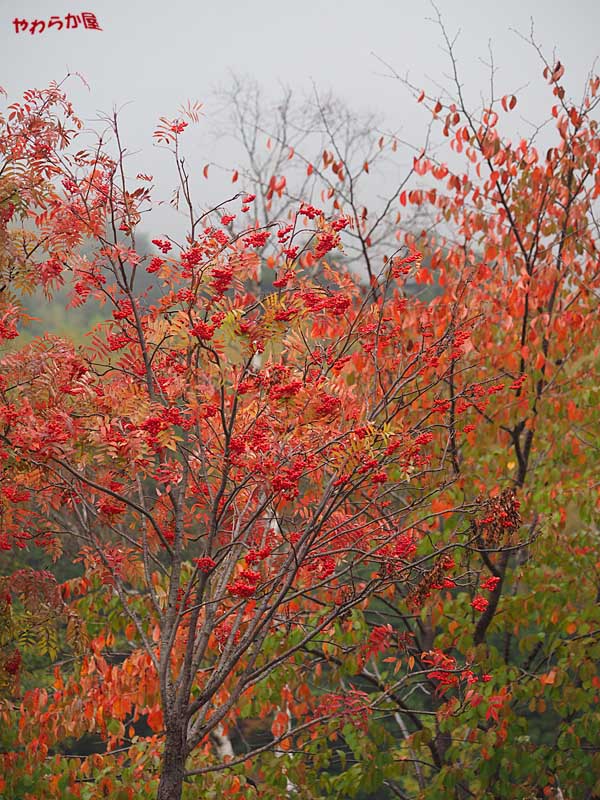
(172, 769)
(488, 615)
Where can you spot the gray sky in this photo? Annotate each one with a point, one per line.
(155, 55)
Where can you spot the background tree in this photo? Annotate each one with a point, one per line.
(518, 239)
(318, 150)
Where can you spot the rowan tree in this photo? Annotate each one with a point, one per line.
(241, 474)
(33, 134)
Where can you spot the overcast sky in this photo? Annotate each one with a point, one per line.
(155, 54)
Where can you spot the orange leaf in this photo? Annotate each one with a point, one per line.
(280, 723)
(549, 678)
(439, 504)
(155, 719)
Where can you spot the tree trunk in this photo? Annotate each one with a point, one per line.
(173, 766)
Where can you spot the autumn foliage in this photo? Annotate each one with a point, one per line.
(333, 538)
